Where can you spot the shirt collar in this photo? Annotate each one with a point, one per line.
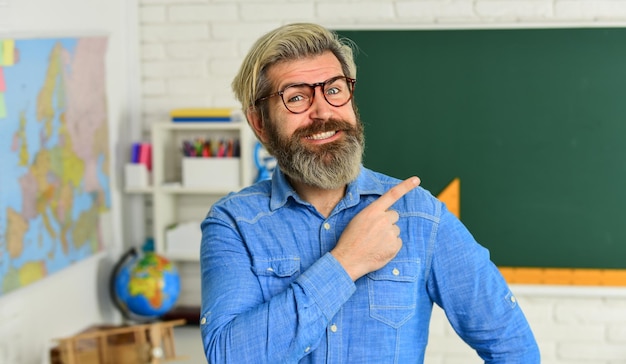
(366, 183)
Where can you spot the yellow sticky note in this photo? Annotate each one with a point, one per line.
(8, 52)
(3, 109)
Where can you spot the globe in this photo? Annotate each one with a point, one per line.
(144, 286)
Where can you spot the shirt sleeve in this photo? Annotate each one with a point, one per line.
(476, 299)
(239, 326)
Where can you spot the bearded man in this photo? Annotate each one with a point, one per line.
(330, 262)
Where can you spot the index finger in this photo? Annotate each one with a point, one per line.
(396, 192)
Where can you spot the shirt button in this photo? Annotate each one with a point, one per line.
(326, 226)
(333, 328)
(307, 349)
(513, 299)
(395, 271)
(203, 321)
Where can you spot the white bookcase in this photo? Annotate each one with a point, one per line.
(176, 203)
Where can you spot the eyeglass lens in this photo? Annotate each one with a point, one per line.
(298, 98)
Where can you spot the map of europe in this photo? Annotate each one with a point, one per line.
(54, 155)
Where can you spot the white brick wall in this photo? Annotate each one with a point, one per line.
(191, 49)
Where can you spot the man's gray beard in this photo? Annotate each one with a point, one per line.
(327, 166)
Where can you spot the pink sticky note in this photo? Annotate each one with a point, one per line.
(3, 86)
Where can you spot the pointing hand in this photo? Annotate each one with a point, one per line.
(372, 238)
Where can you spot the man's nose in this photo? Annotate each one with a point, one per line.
(320, 108)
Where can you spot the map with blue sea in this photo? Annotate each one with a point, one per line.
(54, 155)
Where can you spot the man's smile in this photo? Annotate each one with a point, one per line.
(321, 136)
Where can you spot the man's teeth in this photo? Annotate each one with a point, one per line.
(321, 136)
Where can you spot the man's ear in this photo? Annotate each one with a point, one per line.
(256, 123)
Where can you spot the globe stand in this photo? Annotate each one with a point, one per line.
(127, 315)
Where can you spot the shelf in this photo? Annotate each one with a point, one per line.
(174, 203)
(139, 190)
(181, 190)
(182, 257)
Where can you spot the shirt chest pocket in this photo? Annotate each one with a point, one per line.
(276, 274)
(392, 292)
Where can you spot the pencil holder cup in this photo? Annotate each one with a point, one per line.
(212, 172)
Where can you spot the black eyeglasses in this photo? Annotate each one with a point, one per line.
(298, 98)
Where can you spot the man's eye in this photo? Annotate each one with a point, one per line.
(333, 91)
(296, 98)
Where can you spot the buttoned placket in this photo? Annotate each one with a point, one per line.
(327, 235)
(335, 338)
(328, 239)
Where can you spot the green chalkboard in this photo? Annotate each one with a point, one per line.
(532, 122)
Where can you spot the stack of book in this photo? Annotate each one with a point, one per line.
(205, 115)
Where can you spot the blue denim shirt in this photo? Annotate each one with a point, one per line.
(272, 292)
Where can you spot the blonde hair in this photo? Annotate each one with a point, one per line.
(289, 42)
